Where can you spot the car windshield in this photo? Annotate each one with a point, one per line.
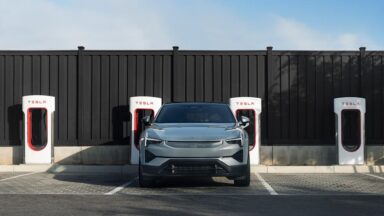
(195, 113)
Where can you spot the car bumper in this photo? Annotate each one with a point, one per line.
(195, 167)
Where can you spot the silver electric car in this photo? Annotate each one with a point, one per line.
(194, 139)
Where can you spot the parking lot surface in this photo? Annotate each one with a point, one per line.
(268, 194)
(261, 184)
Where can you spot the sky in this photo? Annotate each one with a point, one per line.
(191, 24)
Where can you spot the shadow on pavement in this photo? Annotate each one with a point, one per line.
(115, 180)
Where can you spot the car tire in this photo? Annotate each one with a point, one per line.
(244, 181)
(144, 181)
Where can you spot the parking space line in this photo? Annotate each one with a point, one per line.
(375, 176)
(13, 177)
(121, 187)
(266, 185)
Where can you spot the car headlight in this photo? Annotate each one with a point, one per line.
(237, 141)
(151, 141)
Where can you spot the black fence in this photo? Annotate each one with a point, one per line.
(92, 89)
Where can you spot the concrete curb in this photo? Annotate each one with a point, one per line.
(318, 169)
(105, 169)
(24, 168)
(131, 170)
(57, 168)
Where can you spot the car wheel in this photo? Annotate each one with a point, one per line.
(245, 180)
(144, 181)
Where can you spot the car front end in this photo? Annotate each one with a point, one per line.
(188, 148)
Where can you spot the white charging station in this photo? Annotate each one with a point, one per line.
(350, 129)
(38, 128)
(252, 104)
(137, 104)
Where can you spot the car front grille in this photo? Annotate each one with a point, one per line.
(194, 168)
(194, 144)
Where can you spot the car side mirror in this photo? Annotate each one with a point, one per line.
(244, 121)
(147, 120)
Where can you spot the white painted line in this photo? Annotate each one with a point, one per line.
(13, 177)
(266, 185)
(121, 187)
(375, 176)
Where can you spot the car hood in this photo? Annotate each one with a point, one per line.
(193, 132)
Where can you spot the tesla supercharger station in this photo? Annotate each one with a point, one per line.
(140, 106)
(250, 107)
(350, 129)
(38, 128)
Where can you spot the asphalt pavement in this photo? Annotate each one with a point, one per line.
(268, 194)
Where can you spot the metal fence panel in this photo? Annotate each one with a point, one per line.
(93, 89)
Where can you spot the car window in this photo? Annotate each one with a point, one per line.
(195, 113)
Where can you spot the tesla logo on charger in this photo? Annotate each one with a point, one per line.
(146, 103)
(350, 103)
(245, 103)
(37, 102)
